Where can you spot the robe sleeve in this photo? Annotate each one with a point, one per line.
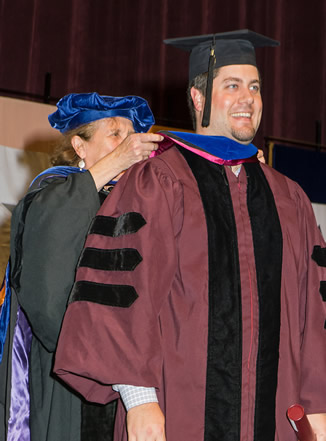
(46, 254)
(312, 311)
(111, 333)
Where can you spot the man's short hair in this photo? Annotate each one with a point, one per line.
(199, 83)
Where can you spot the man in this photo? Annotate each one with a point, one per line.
(197, 282)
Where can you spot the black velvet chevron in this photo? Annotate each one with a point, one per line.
(322, 290)
(125, 259)
(319, 255)
(127, 223)
(122, 296)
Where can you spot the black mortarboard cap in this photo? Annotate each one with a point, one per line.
(211, 51)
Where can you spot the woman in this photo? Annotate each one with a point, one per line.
(102, 136)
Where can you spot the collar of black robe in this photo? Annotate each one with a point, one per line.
(218, 149)
(52, 172)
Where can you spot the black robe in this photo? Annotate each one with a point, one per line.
(49, 226)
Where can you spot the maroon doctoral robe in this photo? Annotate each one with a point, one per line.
(202, 285)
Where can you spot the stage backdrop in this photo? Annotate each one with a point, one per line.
(115, 47)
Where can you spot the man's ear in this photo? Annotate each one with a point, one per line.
(197, 99)
(78, 145)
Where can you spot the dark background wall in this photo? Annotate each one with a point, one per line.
(115, 47)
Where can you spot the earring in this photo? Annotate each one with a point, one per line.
(81, 164)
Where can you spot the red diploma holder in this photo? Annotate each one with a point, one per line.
(300, 423)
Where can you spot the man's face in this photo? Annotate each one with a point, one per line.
(236, 103)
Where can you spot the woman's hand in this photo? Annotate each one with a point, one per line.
(134, 148)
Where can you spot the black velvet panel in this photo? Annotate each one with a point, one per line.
(97, 421)
(121, 296)
(319, 255)
(223, 388)
(322, 290)
(127, 223)
(125, 259)
(267, 239)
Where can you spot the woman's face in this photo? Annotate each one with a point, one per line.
(109, 133)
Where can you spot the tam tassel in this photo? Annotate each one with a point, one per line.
(209, 87)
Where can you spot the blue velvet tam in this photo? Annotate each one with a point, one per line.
(77, 109)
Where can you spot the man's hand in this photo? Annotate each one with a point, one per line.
(318, 424)
(146, 423)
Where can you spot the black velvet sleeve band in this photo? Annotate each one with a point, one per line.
(125, 259)
(319, 255)
(127, 223)
(122, 296)
(322, 290)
